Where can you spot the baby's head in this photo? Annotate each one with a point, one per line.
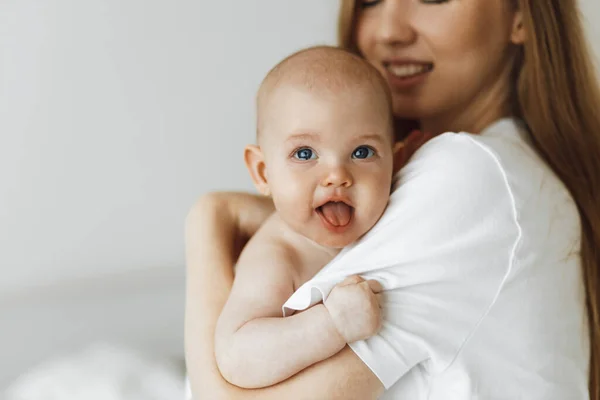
(325, 144)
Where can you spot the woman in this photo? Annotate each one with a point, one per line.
(460, 66)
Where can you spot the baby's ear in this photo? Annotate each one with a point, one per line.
(255, 162)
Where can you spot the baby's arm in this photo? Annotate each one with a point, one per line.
(255, 346)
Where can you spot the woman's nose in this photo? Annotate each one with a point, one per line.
(337, 177)
(394, 26)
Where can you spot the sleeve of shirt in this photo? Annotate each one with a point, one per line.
(442, 250)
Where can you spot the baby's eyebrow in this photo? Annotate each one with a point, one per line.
(371, 136)
(315, 137)
(304, 136)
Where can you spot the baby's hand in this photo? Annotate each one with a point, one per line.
(354, 307)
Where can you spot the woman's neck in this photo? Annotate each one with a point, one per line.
(472, 124)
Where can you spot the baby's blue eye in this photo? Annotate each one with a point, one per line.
(305, 154)
(363, 152)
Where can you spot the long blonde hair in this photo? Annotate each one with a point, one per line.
(557, 95)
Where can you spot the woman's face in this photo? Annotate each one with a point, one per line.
(447, 62)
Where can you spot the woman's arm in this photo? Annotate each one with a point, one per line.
(214, 224)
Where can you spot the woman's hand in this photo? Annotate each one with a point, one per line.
(238, 214)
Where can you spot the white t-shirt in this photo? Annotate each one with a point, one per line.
(479, 254)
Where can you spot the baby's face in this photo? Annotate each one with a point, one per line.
(329, 161)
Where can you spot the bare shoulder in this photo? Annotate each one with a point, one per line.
(269, 250)
(266, 266)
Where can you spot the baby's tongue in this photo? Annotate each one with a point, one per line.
(336, 213)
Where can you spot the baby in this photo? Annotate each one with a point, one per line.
(326, 155)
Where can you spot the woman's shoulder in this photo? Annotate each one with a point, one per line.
(507, 148)
(452, 161)
(502, 154)
(499, 168)
(465, 148)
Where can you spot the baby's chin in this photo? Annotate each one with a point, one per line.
(339, 240)
(336, 241)
(338, 245)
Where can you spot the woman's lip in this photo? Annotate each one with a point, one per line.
(404, 61)
(408, 82)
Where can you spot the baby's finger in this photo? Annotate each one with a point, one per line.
(375, 286)
(351, 280)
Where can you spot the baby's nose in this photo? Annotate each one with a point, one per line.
(337, 177)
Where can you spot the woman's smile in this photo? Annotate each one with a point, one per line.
(404, 74)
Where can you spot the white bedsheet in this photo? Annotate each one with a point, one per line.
(100, 372)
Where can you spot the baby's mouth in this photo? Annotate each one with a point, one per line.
(336, 213)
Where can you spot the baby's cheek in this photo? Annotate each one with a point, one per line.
(292, 200)
(379, 196)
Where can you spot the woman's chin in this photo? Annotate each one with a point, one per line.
(406, 110)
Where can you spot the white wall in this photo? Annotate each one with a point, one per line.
(116, 114)
(591, 13)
